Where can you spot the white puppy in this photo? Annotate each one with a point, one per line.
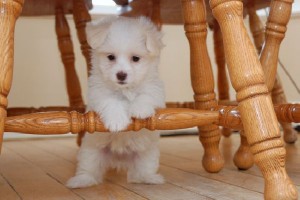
(124, 83)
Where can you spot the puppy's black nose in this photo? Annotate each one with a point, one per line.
(121, 76)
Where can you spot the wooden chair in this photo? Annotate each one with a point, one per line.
(258, 33)
(79, 10)
(251, 91)
(247, 76)
(255, 112)
(243, 158)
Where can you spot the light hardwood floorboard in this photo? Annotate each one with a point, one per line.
(37, 169)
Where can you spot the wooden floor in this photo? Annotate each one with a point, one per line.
(37, 169)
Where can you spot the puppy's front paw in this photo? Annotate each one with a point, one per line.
(141, 111)
(81, 181)
(116, 122)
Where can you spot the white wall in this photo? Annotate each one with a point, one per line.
(39, 76)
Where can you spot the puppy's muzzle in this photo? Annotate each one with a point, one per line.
(121, 76)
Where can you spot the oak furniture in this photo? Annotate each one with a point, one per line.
(258, 33)
(170, 12)
(255, 113)
(59, 9)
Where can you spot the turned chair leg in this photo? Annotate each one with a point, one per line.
(255, 104)
(9, 12)
(243, 157)
(81, 17)
(202, 80)
(67, 55)
(257, 29)
(278, 97)
(223, 87)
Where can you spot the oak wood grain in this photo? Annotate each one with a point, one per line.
(81, 17)
(278, 95)
(9, 12)
(194, 15)
(15, 111)
(222, 80)
(65, 45)
(65, 122)
(279, 16)
(255, 105)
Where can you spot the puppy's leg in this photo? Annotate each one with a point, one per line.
(142, 107)
(90, 168)
(114, 115)
(144, 168)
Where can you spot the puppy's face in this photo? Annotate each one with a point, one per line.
(124, 63)
(125, 49)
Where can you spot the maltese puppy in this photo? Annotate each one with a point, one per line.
(124, 83)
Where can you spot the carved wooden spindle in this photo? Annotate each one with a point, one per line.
(61, 122)
(81, 17)
(67, 55)
(278, 96)
(279, 16)
(9, 12)
(288, 112)
(256, 26)
(223, 87)
(255, 105)
(74, 122)
(194, 15)
(230, 117)
(15, 111)
(243, 158)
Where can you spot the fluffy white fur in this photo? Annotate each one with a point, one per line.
(128, 46)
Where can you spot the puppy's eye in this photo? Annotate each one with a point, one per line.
(135, 58)
(111, 57)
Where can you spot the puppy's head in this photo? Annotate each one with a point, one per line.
(125, 50)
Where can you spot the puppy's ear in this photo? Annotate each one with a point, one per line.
(153, 36)
(97, 31)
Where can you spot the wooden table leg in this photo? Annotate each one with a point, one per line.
(256, 27)
(271, 49)
(278, 97)
(279, 16)
(202, 80)
(243, 158)
(9, 12)
(275, 31)
(223, 87)
(67, 55)
(81, 17)
(255, 104)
